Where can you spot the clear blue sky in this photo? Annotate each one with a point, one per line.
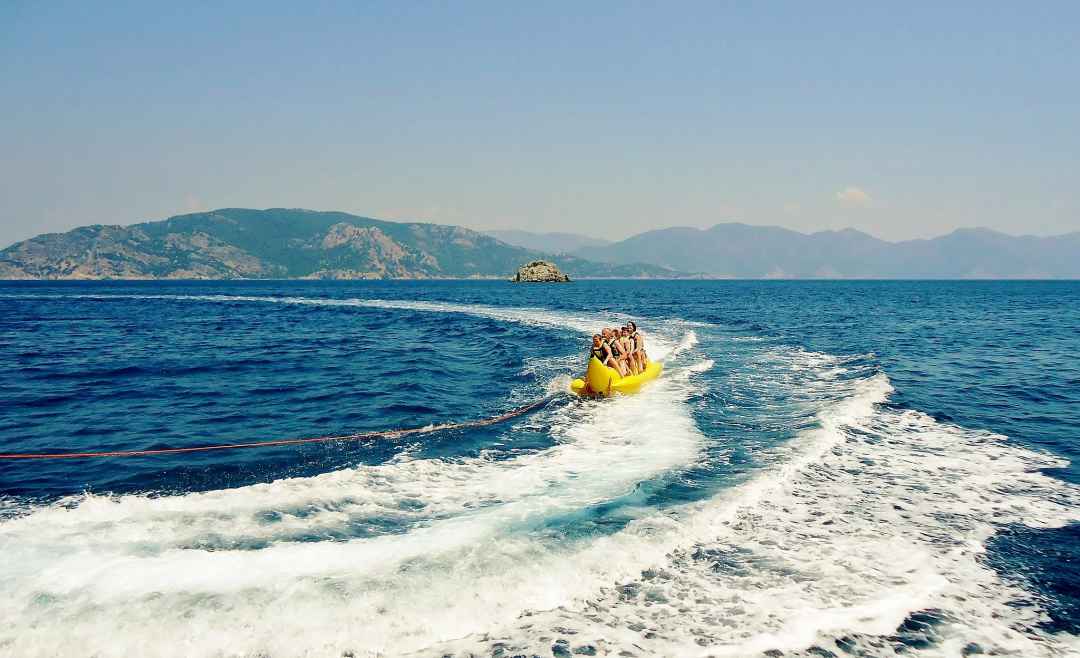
(901, 119)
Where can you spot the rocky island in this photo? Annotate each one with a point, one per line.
(539, 271)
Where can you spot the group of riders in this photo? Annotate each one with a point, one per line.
(621, 348)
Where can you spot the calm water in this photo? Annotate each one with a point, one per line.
(864, 468)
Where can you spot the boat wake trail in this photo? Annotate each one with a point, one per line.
(656, 524)
(374, 559)
(865, 537)
(578, 322)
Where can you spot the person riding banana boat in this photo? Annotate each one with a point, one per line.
(618, 363)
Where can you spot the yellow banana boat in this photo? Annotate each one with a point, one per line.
(601, 380)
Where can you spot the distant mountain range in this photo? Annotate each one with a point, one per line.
(552, 243)
(743, 251)
(288, 243)
(282, 243)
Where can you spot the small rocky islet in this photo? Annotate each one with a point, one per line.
(540, 271)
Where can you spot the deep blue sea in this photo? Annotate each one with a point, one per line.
(825, 468)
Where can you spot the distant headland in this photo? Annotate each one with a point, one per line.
(239, 243)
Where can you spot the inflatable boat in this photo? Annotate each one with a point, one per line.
(603, 381)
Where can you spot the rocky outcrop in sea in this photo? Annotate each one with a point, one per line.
(539, 271)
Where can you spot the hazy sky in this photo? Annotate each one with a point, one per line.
(900, 119)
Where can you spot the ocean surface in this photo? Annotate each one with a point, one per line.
(825, 468)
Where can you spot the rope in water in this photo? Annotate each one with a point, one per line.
(359, 436)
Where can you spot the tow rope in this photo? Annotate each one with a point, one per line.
(359, 436)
